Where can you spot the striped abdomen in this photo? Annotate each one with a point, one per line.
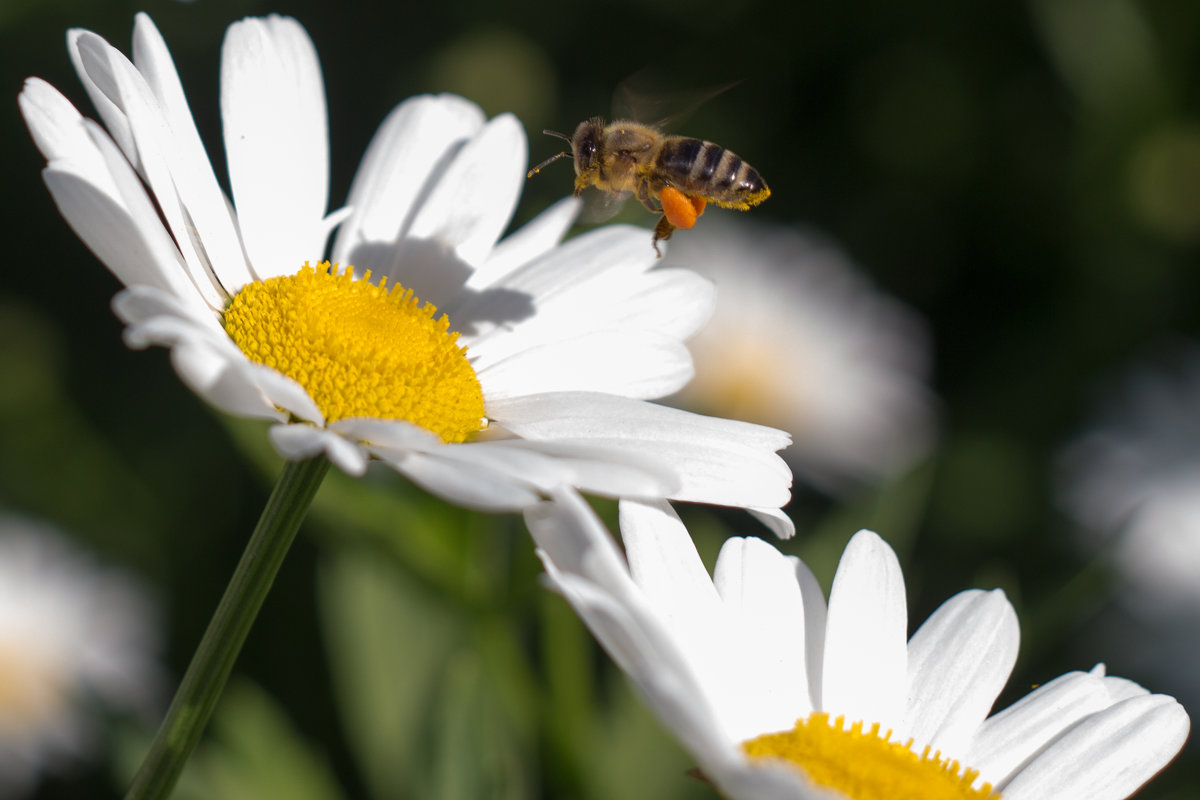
(708, 170)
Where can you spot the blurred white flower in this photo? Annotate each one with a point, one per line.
(779, 697)
(543, 379)
(73, 637)
(1132, 481)
(802, 341)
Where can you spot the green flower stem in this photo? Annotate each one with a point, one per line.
(206, 675)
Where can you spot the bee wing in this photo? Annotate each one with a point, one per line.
(641, 97)
(601, 206)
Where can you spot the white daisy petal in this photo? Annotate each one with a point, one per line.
(58, 131)
(598, 470)
(595, 257)
(153, 60)
(585, 565)
(958, 661)
(722, 461)
(207, 207)
(600, 265)
(684, 303)
(641, 653)
(544, 466)
(418, 137)
(1010, 737)
(276, 141)
(664, 563)
(609, 471)
(632, 364)
(864, 674)
(100, 196)
(572, 539)
(167, 329)
(182, 183)
(141, 303)
(179, 176)
(169, 177)
(519, 466)
(213, 377)
(776, 520)
(531, 241)
(106, 228)
(815, 620)
(207, 361)
(759, 588)
(669, 303)
(1118, 688)
(1107, 756)
(169, 270)
(472, 203)
(87, 52)
(348, 457)
(459, 218)
(472, 482)
(387, 434)
(280, 391)
(299, 442)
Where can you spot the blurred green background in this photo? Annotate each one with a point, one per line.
(1026, 175)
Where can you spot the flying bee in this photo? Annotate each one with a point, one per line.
(672, 175)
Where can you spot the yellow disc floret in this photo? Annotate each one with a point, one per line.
(863, 765)
(359, 349)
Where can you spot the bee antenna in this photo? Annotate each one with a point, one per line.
(545, 163)
(557, 135)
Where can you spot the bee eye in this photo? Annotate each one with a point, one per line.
(587, 148)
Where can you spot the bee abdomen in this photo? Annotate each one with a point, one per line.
(709, 170)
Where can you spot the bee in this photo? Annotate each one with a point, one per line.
(672, 175)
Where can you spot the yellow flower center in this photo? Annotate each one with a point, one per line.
(863, 765)
(359, 349)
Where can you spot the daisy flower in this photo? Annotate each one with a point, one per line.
(802, 341)
(71, 634)
(487, 370)
(778, 695)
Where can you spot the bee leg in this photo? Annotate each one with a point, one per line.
(647, 193)
(662, 232)
(583, 180)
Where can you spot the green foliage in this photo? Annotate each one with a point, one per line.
(256, 752)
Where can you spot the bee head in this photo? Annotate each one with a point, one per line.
(585, 146)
